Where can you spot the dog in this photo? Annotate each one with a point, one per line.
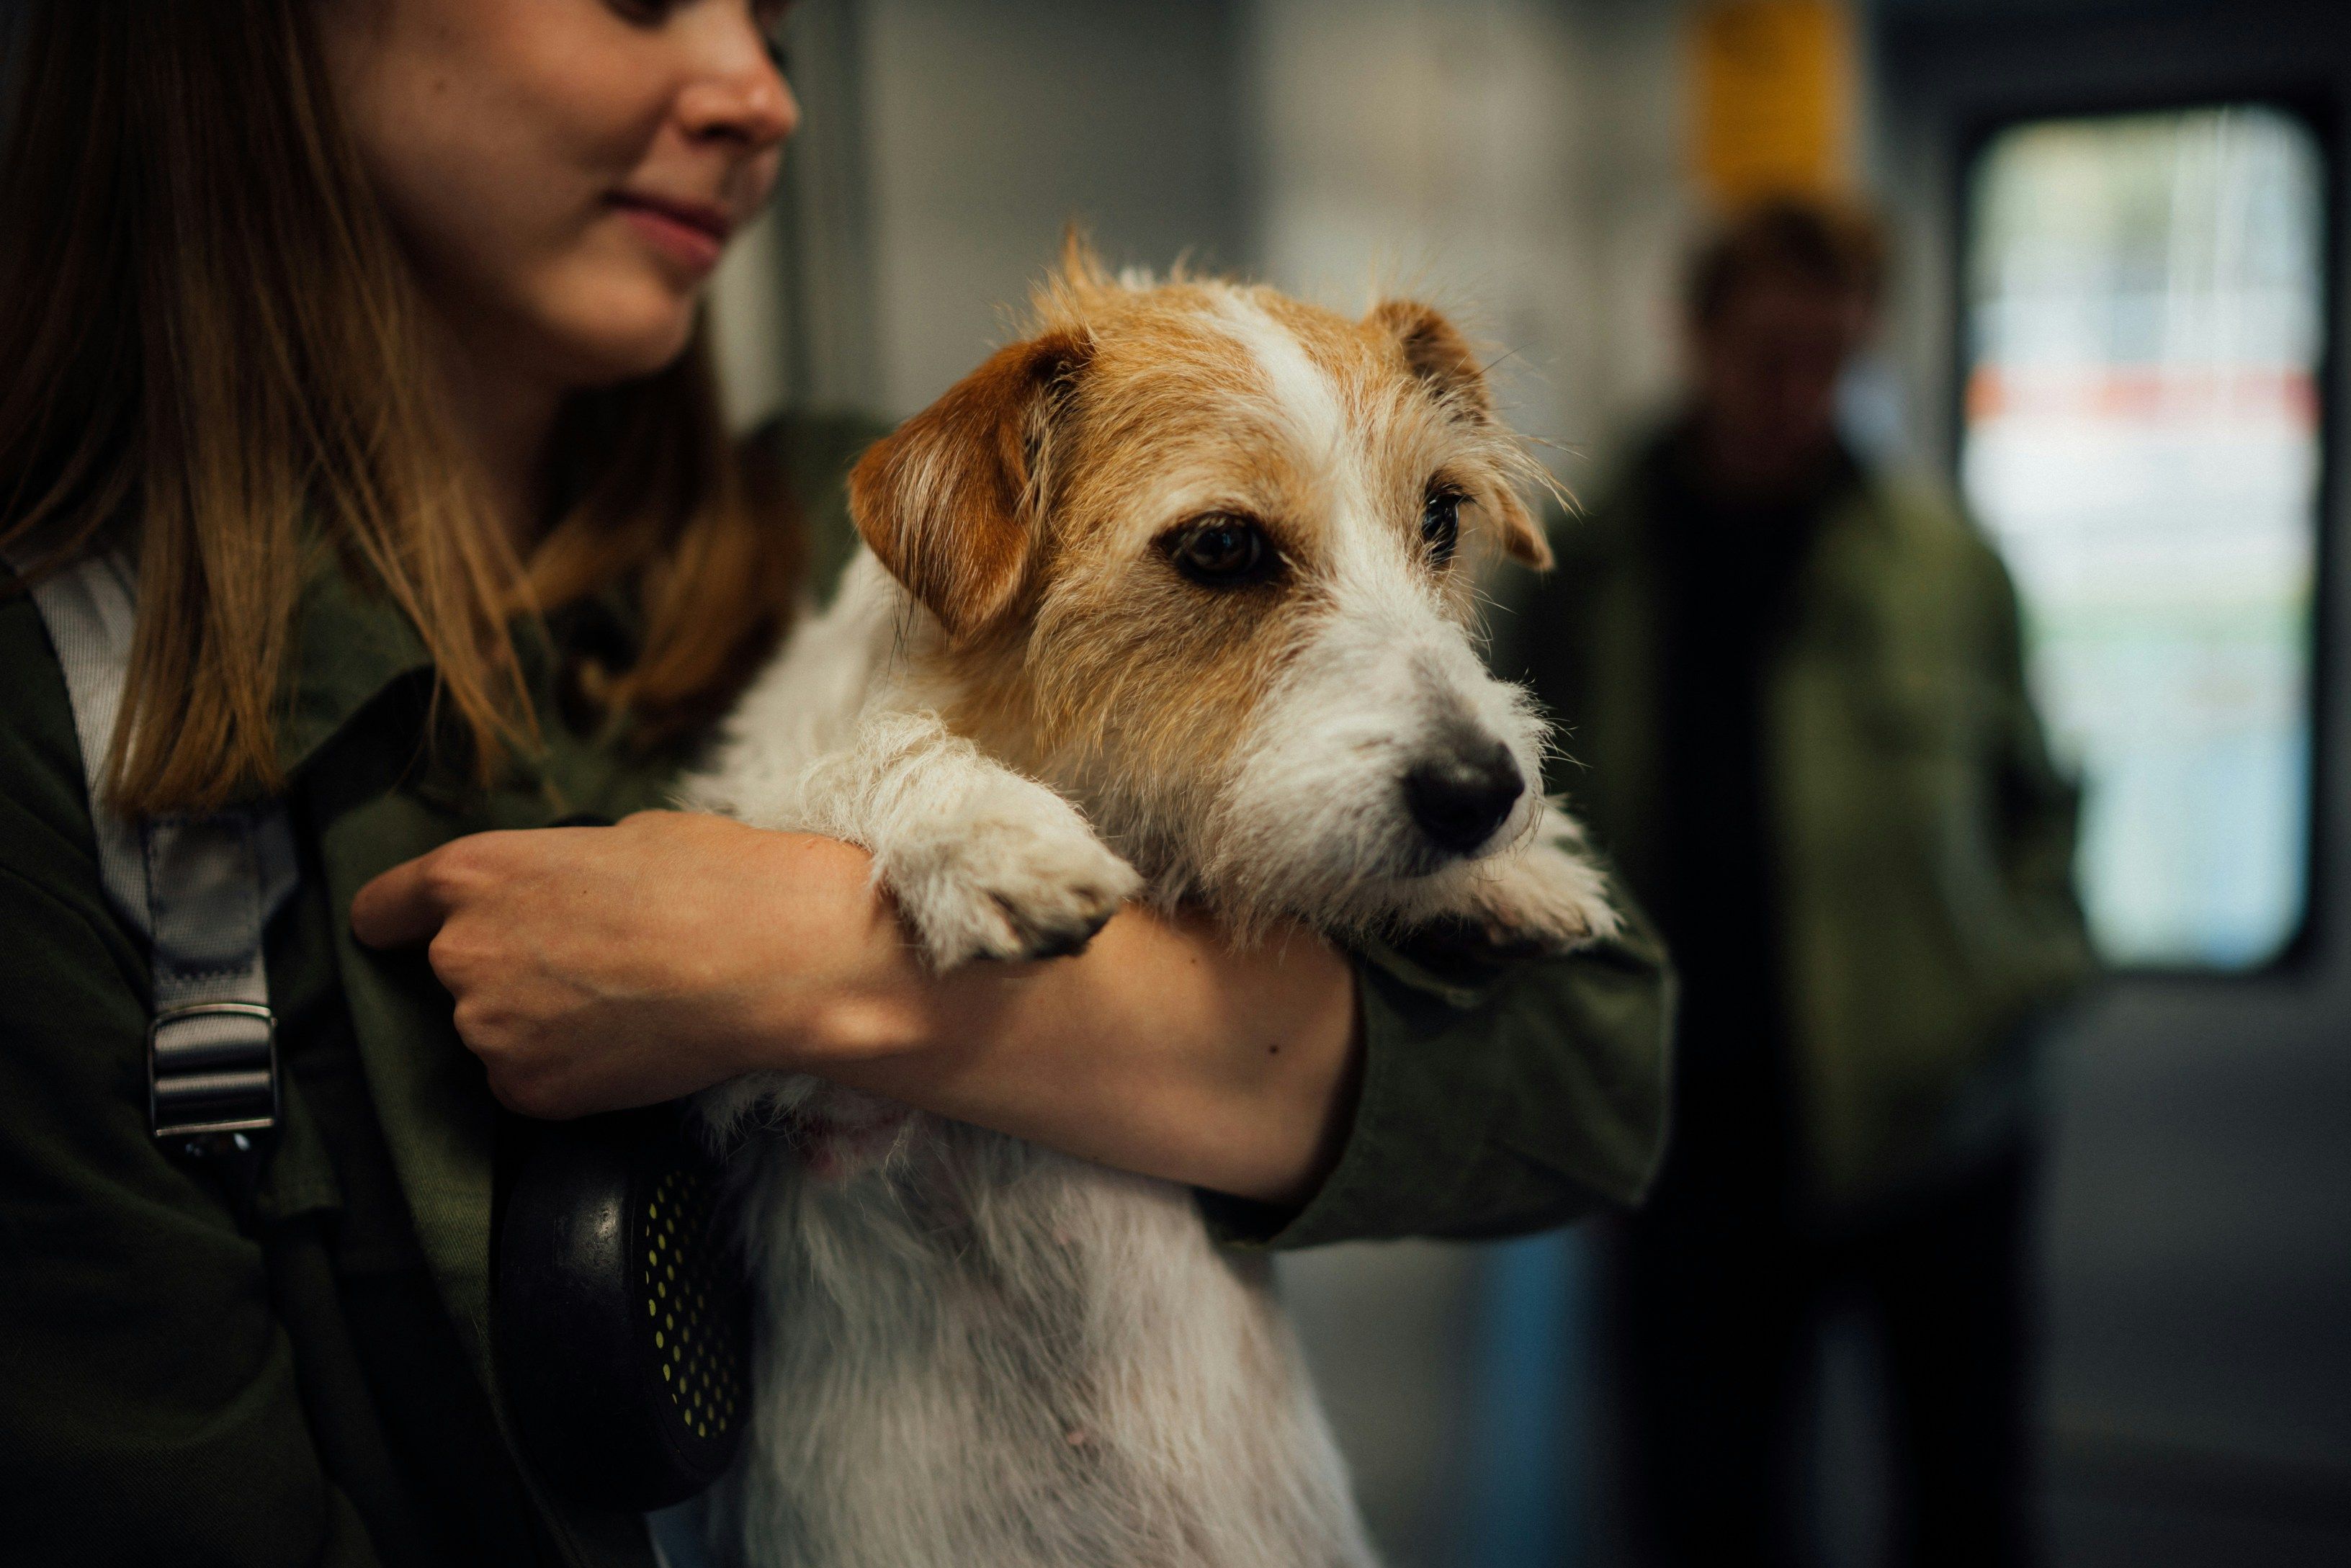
(1170, 600)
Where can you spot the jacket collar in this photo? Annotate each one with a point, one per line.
(1667, 468)
(353, 643)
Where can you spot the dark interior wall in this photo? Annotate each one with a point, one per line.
(2198, 1233)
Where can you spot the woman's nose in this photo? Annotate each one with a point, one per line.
(741, 96)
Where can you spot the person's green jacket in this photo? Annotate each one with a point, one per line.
(1921, 841)
(318, 1389)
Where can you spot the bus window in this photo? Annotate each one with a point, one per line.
(2143, 315)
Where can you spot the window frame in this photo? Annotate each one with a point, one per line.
(2318, 110)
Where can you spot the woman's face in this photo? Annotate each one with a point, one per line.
(563, 173)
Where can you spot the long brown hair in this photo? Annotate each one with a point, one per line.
(212, 342)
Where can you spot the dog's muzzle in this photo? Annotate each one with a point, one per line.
(1460, 796)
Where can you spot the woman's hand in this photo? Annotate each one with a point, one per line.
(595, 969)
(600, 967)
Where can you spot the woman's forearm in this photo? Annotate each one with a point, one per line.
(1160, 1050)
(595, 969)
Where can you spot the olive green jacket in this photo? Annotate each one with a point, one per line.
(1923, 840)
(175, 1391)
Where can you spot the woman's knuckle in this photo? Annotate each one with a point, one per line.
(502, 1090)
(445, 870)
(447, 952)
(467, 1016)
(531, 1094)
(462, 866)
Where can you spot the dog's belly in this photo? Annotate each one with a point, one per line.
(983, 1354)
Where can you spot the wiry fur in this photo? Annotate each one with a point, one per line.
(980, 1353)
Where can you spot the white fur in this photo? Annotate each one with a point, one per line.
(986, 1354)
(1312, 826)
(978, 1354)
(1297, 388)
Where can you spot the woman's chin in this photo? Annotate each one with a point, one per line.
(610, 363)
(612, 340)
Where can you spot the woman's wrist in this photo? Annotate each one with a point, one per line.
(841, 984)
(1162, 1049)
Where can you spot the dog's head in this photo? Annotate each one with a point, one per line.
(1201, 556)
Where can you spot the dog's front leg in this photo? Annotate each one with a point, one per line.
(981, 861)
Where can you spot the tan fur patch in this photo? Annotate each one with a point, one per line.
(945, 501)
(1050, 477)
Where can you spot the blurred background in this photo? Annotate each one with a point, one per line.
(2112, 329)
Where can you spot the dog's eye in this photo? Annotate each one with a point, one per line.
(1440, 523)
(1223, 552)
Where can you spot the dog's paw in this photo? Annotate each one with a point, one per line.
(1024, 878)
(1546, 898)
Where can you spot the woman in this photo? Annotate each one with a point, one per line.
(368, 329)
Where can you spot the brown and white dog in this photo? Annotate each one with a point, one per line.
(1169, 599)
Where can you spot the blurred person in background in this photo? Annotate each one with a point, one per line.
(1797, 685)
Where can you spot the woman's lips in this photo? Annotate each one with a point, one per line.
(691, 235)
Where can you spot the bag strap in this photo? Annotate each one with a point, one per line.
(200, 889)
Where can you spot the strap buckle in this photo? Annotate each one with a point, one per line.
(212, 1073)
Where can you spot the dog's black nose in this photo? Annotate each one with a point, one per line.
(1460, 797)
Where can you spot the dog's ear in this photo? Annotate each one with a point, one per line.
(1441, 358)
(1435, 351)
(946, 501)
